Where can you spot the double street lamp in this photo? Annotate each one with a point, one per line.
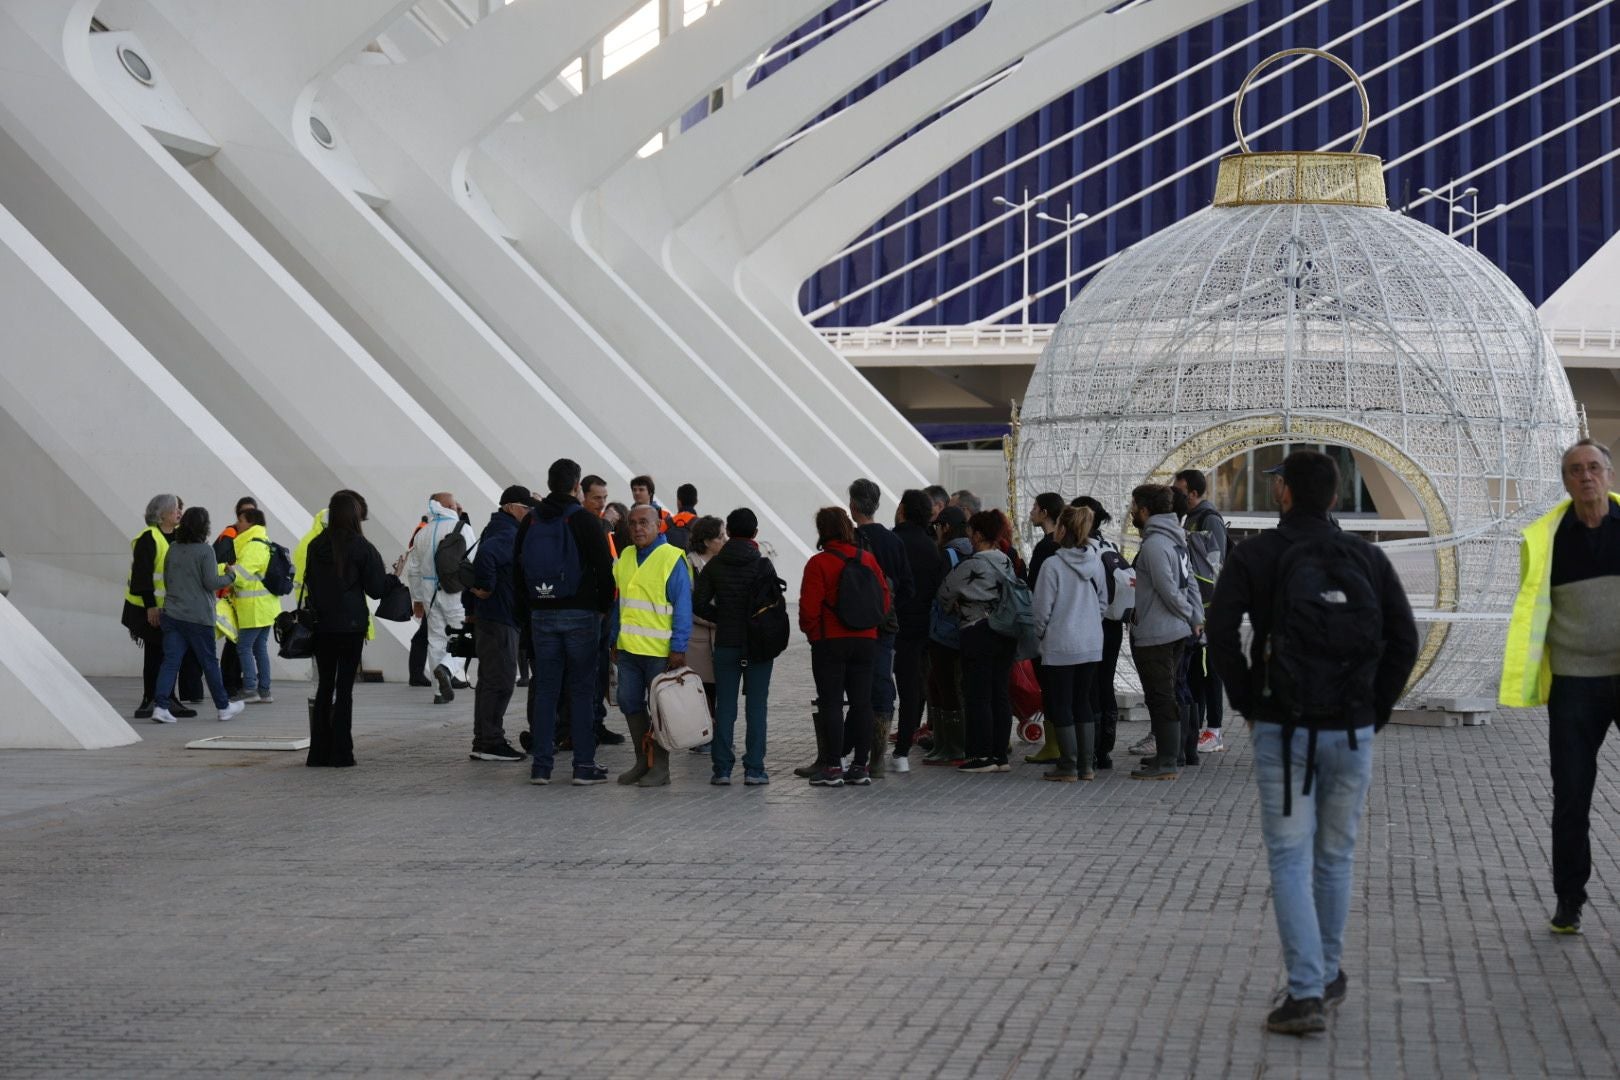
(1023, 207)
(1070, 222)
(1453, 199)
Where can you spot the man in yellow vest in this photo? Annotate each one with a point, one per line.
(1563, 651)
(652, 624)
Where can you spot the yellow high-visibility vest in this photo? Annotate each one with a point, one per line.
(646, 617)
(157, 567)
(1526, 667)
(224, 616)
(253, 603)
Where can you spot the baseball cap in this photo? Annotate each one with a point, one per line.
(517, 493)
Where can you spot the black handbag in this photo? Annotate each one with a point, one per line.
(295, 632)
(395, 605)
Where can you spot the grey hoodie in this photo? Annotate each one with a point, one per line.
(1168, 606)
(972, 589)
(191, 577)
(1070, 596)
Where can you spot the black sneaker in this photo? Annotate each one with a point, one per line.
(833, 777)
(857, 776)
(539, 776)
(1566, 920)
(586, 775)
(1105, 761)
(1297, 1016)
(977, 765)
(501, 751)
(1333, 992)
(606, 736)
(180, 712)
(460, 684)
(143, 711)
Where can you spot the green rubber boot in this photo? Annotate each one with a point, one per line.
(1049, 750)
(658, 774)
(640, 724)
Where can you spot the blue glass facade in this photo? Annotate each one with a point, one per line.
(1403, 48)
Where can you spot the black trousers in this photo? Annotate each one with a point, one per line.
(337, 662)
(230, 668)
(1068, 690)
(417, 663)
(1205, 686)
(911, 686)
(842, 668)
(1579, 713)
(151, 639)
(987, 660)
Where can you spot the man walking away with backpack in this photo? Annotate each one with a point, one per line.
(435, 598)
(730, 589)
(1333, 644)
(495, 635)
(1167, 612)
(1563, 651)
(562, 582)
(1208, 546)
(890, 553)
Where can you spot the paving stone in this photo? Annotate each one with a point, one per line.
(166, 912)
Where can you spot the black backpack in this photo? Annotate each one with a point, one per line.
(860, 594)
(768, 626)
(278, 576)
(450, 561)
(1326, 629)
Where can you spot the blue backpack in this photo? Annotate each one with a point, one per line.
(551, 563)
(944, 628)
(278, 576)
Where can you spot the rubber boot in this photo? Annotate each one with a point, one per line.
(949, 732)
(658, 774)
(640, 724)
(1107, 729)
(1087, 735)
(1189, 735)
(1167, 738)
(807, 771)
(1049, 751)
(879, 757)
(1065, 769)
(936, 748)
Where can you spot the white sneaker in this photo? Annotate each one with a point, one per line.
(899, 764)
(1210, 741)
(161, 715)
(231, 711)
(1145, 745)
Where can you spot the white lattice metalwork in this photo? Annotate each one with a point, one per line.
(1253, 325)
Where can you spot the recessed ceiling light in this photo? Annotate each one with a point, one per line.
(322, 133)
(138, 68)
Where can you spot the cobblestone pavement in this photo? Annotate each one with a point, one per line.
(179, 913)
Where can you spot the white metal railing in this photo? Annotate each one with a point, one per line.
(935, 338)
(1603, 340)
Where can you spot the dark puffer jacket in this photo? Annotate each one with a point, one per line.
(721, 592)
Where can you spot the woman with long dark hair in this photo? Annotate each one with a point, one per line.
(191, 578)
(841, 655)
(341, 570)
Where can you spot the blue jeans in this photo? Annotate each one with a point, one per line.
(253, 650)
(755, 680)
(180, 638)
(1313, 850)
(564, 671)
(636, 675)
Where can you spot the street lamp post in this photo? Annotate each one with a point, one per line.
(1023, 207)
(1070, 221)
(1452, 198)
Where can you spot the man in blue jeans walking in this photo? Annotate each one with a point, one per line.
(562, 582)
(1333, 644)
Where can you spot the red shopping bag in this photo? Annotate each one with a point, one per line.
(1025, 690)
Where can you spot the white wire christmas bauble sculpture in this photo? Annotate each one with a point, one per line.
(1300, 309)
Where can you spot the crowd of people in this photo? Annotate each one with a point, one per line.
(578, 599)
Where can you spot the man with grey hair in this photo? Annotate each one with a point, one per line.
(1563, 651)
(143, 596)
(970, 503)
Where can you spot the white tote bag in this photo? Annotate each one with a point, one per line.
(679, 710)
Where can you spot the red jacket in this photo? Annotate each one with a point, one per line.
(818, 594)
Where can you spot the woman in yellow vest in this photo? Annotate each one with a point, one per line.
(143, 595)
(255, 606)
